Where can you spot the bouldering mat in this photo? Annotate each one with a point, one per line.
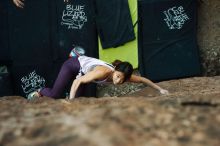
(127, 52)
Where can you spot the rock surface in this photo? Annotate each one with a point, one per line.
(189, 116)
(209, 36)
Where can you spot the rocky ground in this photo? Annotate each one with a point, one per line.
(189, 116)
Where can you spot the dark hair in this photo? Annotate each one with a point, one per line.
(124, 67)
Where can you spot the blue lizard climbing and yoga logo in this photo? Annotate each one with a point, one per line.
(32, 82)
(175, 17)
(74, 17)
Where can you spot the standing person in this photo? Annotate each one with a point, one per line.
(20, 3)
(83, 69)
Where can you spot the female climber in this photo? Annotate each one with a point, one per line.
(83, 69)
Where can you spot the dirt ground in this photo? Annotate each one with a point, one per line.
(189, 116)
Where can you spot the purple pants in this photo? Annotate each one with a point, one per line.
(68, 72)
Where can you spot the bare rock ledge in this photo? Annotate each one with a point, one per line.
(189, 116)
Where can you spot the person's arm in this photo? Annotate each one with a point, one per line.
(139, 79)
(87, 78)
(19, 3)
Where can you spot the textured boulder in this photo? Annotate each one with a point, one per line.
(209, 36)
(190, 115)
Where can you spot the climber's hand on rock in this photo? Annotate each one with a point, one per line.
(164, 92)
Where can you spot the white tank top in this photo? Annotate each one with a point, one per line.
(87, 64)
